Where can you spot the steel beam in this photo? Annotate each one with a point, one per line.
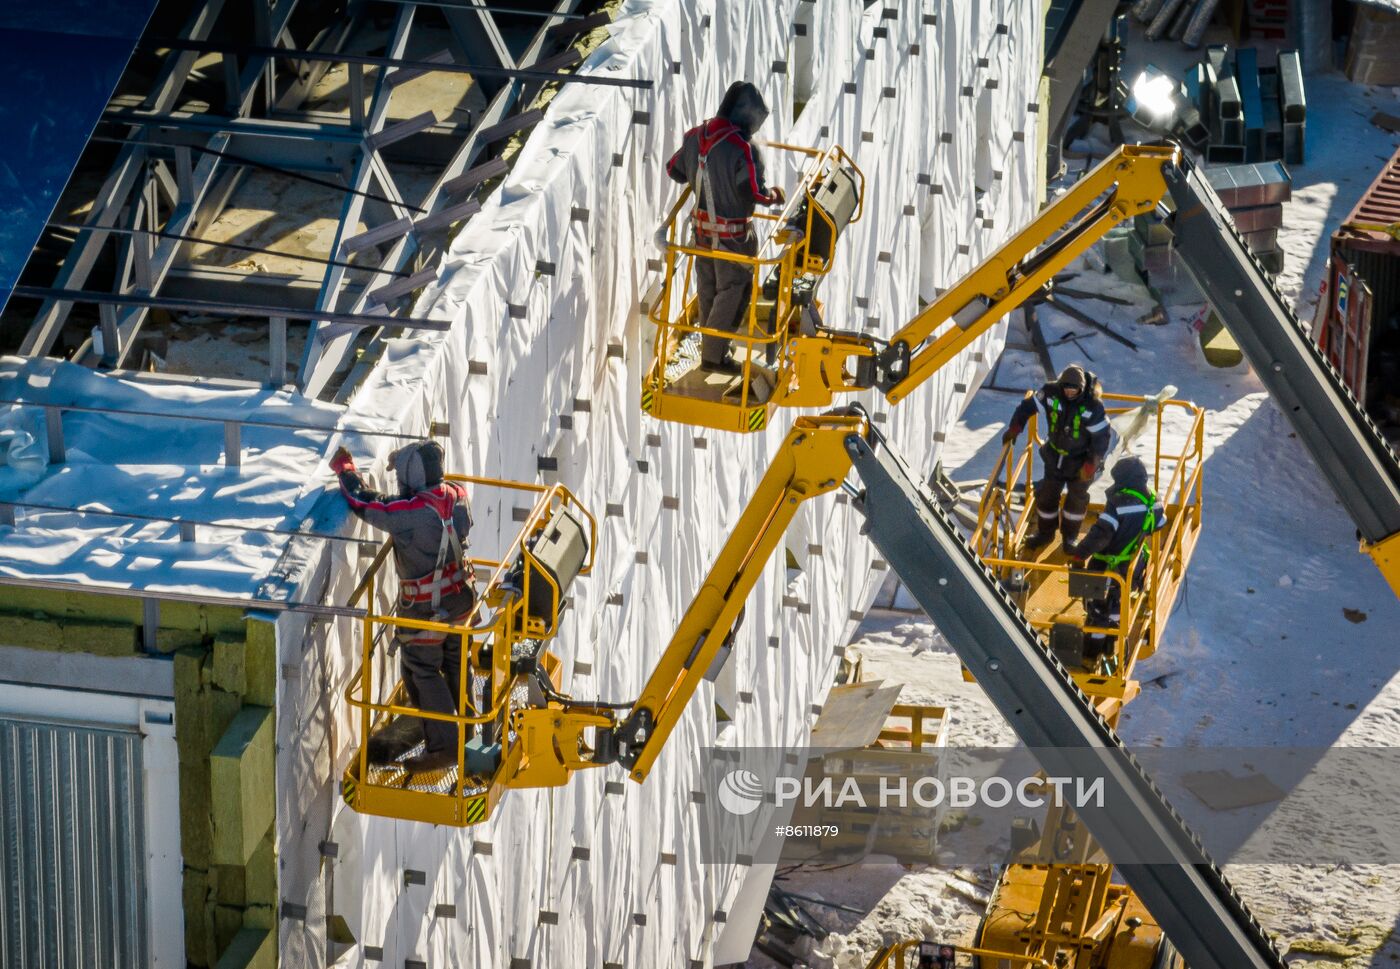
(476, 33)
(1346, 445)
(470, 5)
(147, 302)
(353, 207)
(477, 71)
(200, 240)
(81, 257)
(239, 288)
(129, 323)
(322, 132)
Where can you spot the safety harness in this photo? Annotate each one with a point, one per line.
(449, 574)
(708, 224)
(1055, 408)
(1149, 523)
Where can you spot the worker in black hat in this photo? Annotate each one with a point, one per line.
(1074, 428)
(719, 161)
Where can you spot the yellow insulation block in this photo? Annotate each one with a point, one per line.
(242, 772)
(1218, 345)
(260, 661)
(250, 949)
(230, 665)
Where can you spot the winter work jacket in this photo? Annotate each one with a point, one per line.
(1131, 513)
(718, 160)
(427, 525)
(1072, 429)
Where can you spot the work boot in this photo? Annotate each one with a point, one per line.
(1068, 537)
(1038, 539)
(433, 760)
(728, 365)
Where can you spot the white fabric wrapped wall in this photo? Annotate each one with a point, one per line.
(939, 116)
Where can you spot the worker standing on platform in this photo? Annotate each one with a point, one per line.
(1075, 428)
(1131, 513)
(720, 163)
(428, 523)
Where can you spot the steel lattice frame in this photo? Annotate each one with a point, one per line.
(175, 171)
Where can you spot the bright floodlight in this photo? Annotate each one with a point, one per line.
(1155, 99)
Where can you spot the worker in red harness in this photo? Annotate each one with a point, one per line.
(720, 163)
(428, 523)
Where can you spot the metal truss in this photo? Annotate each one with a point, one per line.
(182, 152)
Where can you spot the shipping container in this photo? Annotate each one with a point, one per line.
(1360, 330)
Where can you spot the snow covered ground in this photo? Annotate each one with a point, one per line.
(1260, 650)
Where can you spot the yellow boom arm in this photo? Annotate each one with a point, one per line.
(1128, 182)
(812, 461)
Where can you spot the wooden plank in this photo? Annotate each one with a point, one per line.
(854, 715)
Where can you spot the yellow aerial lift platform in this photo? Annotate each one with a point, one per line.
(517, 729)
(504, 648)
(1056, 903)
(1051, 591)
(795, 249)
(813, 363)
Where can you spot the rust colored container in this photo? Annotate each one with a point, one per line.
(1360, 330)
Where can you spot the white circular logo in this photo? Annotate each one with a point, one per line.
(740, 792)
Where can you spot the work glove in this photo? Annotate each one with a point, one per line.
(342, 461)
(779, 196)
(1009, 435)
(1089, 469)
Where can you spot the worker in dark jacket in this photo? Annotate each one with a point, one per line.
(428, 523)
(1131, 513)
(1074, 427)
(720, 163)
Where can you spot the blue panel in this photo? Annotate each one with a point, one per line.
(62, 59)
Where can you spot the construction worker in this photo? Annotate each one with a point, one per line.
(428, 523)
(720, 163)
(1131, 513)
(1075, 429)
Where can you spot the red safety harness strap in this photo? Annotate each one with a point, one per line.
(709, 226)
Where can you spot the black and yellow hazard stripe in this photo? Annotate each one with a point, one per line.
(648, 397)
(475, 810)
(348, 787)
(758, 417)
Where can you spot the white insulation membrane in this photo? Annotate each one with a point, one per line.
(539, 379)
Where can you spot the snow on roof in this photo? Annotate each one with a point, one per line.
(162, 458)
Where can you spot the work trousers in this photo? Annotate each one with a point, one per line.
(1061, 475)
(725, 289)
(430, 664)
(1107, 612)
